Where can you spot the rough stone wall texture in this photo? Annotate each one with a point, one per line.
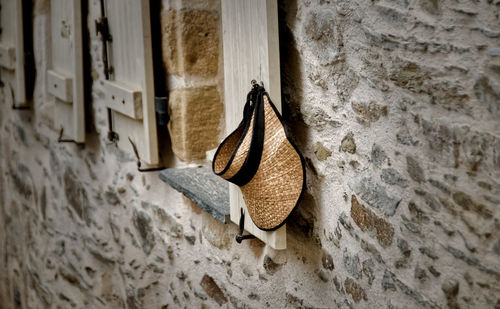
(395, 104)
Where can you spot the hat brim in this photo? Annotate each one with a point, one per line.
(267, 166)
(277, 187)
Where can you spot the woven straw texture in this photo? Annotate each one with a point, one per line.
(273, 192)
(275, 189)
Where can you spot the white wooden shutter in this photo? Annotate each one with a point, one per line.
(130, 90)
(12, 49)
(251, 51)
(65, 79)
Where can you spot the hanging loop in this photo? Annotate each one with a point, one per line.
(255, 84)
(139, 168)
(20, 107)
(60, 139)
(14, 105)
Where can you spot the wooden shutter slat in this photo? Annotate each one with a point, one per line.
(131, 57)
(60, 86)
(124, 99)
(65, 79)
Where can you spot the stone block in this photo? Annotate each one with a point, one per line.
(352, 264)
(368, 221)
(392, 16)
(419, 78)
(317, 118)
(22, 180)
(430, 6)
(76, 195)
(348, 144)
(216, 233)
(213, 290)
(410, 75)
(374, 194)
(356, 291)
(175, 229)
(321, 152)
(190, 41)
(393, 177)
(488, 94)
(143, 223)
(467, 203)
(378, 155)
(327, 261)
(368, 112)
(323, 36)
(270, 266)
(414, 170)
(429, 199)
(195, 121)
(450, 288)
(403, 3)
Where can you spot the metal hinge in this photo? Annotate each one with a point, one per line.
(102, 28)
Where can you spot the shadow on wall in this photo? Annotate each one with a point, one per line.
(301, 223)
(302, 232)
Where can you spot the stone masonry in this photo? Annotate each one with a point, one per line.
(395, 105)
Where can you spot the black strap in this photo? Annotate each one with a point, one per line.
(252, 161)
(240, 237)
(244, 125)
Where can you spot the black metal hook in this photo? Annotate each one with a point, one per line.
(20, 107)
(14, 105)
(113, 137)
(139, 168)
(240, 237)
(66, 140)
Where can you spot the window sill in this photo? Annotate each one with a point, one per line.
(202, 186)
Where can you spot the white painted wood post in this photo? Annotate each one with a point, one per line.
(65, 80)
(251, 51)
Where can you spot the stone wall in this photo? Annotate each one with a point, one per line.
(396, 106)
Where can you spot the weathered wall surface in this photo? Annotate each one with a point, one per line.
(394, 103)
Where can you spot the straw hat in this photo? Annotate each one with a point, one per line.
(265, 164)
